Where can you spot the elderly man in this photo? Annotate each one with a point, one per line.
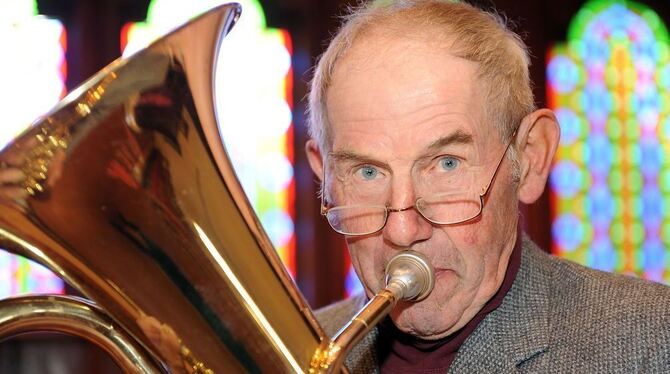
(425, 137)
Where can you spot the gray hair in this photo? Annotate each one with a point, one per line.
(469, 33)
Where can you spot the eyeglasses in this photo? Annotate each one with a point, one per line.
(449, 208)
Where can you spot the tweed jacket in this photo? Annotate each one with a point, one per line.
(558, 317)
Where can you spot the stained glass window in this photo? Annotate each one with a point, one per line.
(610, 185)
(352, 284)
(32, 72)
(253, 91)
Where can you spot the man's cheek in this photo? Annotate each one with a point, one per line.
(465, 236)
(365, 266)
(371, 266)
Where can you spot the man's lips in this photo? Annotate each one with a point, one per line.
(439, 273)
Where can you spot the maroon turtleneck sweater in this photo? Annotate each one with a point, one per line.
(402, 353)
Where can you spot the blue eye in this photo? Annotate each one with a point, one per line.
(449, 163)
(368, 172)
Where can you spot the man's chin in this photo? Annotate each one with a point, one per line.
(421, 331)
(416, 321)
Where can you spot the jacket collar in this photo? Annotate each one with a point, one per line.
(518, 330)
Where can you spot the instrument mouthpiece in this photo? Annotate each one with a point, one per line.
(410, 276)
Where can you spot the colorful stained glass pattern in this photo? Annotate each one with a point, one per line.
(610, 184)
(20, 276)
(32, 69)
(352, 284)
(32, 72)
(254, 106)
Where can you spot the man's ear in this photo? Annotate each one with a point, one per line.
(539, 135)
(314, 158)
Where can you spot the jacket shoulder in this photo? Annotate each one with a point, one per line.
(600, 317)
(595, 288)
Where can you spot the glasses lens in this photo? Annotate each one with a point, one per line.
(450, 208)
(357, 219)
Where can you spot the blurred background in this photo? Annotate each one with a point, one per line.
(602, 65)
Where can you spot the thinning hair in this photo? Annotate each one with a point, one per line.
(466, 31)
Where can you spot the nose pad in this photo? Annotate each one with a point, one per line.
(405, 227)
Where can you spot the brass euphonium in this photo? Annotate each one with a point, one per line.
(128, 195)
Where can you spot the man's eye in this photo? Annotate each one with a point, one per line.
(449, 163)
(368, 172)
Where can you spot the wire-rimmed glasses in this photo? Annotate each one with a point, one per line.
(441, 209)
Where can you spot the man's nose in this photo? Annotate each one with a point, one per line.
(408, 226)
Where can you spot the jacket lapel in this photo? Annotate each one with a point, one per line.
(363, 357)
(518, 330)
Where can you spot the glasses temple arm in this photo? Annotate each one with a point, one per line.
(495, 173)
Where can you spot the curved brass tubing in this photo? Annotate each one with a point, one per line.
(331, 357)
(74, 316)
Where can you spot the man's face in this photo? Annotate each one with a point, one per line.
(399, 110)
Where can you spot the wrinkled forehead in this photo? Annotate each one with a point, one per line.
(395, 95)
